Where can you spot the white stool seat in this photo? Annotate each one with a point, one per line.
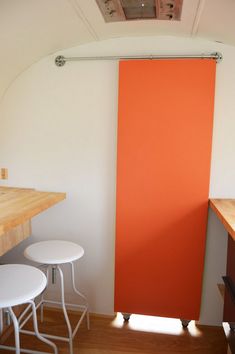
(54, 252)
(20, 283)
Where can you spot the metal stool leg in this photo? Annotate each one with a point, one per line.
(65, 311)
(63, 304)
(1, 321)
(41, 309)
(42, 298)
(80, 294)
(16, 329)
(38, 335)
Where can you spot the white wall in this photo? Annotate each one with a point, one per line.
(58, 133)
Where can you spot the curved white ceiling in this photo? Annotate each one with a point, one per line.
(32, 29)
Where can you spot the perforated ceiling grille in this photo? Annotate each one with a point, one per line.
(138, 9)
(124, 10)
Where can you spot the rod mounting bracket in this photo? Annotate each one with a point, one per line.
(60, 60)
(218, 57)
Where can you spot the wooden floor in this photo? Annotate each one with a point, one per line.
(145, 335)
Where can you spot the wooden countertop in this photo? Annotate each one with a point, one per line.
(225, 210)
(18, 205)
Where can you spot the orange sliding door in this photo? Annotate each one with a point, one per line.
(163, 169)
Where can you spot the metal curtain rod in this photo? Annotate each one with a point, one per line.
(61, 60)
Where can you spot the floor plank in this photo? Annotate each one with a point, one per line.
(143, 334)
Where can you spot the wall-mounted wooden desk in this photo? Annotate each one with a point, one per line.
(17, 207)
(225, 211)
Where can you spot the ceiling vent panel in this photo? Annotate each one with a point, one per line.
(129, 10)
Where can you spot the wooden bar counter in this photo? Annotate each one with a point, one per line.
(17, 207)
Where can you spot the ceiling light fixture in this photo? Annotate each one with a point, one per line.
(126, 10)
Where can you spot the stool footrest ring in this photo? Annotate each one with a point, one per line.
(22, 350)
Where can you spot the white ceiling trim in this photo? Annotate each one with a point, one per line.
(74, 4)
(200, 8)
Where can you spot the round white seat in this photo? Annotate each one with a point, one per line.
(19, 284)
(54, 252)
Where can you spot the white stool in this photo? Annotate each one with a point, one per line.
(52, 254)
(20, 284)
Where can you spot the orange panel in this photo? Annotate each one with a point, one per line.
(163, 169)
